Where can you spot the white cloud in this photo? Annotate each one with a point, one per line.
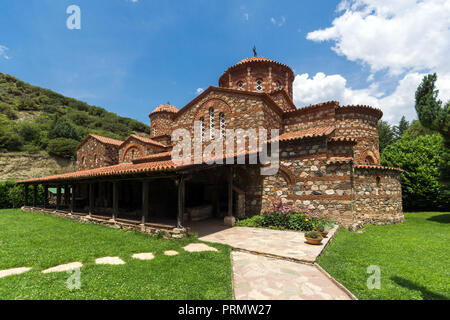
(406, 38)
(3, 54)
(278, 23)
(199, 90)
(321, 88)
(397, 35)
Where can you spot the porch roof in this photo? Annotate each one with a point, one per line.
(116, 170)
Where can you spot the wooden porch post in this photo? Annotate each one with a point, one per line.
(35, 192)
(230, 192)
(91, 198)
(66, 195)
(26, 195)
(72, 198)
(45, 196)
(58, 197)
(180, 203)
(115, 199)
(145, 189)
(229, 219)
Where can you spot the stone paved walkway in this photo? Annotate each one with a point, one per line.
(257, 277)
(285, 244)
(273, 264)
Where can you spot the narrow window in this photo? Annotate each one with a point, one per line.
(240, 85)
(132, 154)
(96, 160)
(202, 126)
(211, 123)
(378, 182)
(154, 132)
(83, 161)
(277, 86)
(222, 125)
(259, 85)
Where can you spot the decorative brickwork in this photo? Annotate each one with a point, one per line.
(329, 154)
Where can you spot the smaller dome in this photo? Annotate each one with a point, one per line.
(165, 108)
(253, 59)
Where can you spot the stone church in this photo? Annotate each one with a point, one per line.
(329, 160)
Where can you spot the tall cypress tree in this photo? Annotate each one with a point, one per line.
(434, 116)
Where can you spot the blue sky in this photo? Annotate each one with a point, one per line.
(130, 56)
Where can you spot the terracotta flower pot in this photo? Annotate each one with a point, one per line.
(313, 241)
(323, 233)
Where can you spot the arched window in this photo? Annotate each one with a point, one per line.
(96, 160)
(222, 124)
(83, 160)
(240, 85)
(369, 160)
(211, 123)
(202, 127)
(132, 154)
(154, 132)
(277, 86)
(259, 84)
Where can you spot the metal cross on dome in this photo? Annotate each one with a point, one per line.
(254, 51)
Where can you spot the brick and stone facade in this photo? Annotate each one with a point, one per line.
(329, 154)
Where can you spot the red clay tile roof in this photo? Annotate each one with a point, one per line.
(361, 108)
(144, 140)
(256, 59)
(116, 170)
(102, 139)
(374, 166)
(157, 156)
(309, 133)
(339, 160)
(165, 108)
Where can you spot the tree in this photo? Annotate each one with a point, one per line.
(385, 134)
(434, 116)
(399, 130)
(63, 128)
(421, 160)
(62, 147)
(429, 108)
(416, 129)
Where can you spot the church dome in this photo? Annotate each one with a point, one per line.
(258, 74)
(165, 108)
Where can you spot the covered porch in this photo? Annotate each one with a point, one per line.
(175, 200)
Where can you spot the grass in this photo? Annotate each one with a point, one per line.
(41, 241)
(413, 258)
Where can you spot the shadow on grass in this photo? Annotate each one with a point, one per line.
(442, 218)
(426, 294)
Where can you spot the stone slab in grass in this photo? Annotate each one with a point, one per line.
(170, 253)
(109, 260)
(198, 247)
(144, 256)
(10, 272)
(64, 267)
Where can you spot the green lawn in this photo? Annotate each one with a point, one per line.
(414, 258)
(41, 241)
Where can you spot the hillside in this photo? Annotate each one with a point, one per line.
(33, 120)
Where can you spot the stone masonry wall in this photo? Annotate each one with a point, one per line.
(362, 127)
(136, 148)
(95, 154)
(377, 196)
(307, 180)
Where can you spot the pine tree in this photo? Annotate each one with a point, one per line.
(399, 130)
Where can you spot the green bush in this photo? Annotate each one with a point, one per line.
(62, 147)
(13, 195)
(300, 222)
(422, 160)
(255, 221)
